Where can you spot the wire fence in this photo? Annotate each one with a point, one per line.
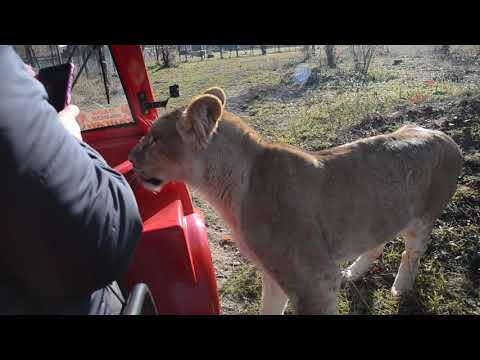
(188, 53)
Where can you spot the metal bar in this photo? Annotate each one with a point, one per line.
(83, 65)
(140, 302)
(104, 75)
(72, 53)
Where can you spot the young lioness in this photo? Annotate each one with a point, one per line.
(297, 215)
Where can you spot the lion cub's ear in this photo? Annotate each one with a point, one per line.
(218, 92)
(200, 120)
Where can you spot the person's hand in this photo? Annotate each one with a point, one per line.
(68, 119)
(30, 70)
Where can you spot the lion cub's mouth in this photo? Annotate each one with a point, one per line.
(152, 184)
(153, 181)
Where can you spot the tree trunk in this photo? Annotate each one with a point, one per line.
(156, 54)
(221, 52)
(445, 50)
(165, 55)
(97, 62)
(34, 56)
(59, 56)
(83, 51)
(330, 52)
(52, 55)
(28, 53)
(306, 52)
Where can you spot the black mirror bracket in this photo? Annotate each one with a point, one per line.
(146, 106)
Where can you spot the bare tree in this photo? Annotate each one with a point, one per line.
(59, 56)
(307, 52)
(31, 58)
(156, 54)
(52, 54)
(331, 58)
(168, 55)
(445, 50)
(362, 57)
(84, 49)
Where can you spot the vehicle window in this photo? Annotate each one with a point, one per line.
(99, 109)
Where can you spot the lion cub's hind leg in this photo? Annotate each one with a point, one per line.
(416, 240)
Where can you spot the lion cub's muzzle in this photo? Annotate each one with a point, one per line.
(151, 183)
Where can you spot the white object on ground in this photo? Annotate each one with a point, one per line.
(301, 74)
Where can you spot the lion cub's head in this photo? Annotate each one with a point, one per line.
(167, 152)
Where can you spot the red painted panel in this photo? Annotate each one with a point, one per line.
(173, 256)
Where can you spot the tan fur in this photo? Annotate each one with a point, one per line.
(297, 215)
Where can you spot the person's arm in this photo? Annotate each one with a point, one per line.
(85, 208)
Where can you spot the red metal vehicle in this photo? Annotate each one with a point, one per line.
(173, 257)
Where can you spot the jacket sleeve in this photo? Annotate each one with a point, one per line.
(84, 218)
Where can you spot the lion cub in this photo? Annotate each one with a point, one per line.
(297, 215)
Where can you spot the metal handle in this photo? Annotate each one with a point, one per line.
(140, 301)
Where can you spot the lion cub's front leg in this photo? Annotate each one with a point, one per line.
(274, 299)
(317, 294)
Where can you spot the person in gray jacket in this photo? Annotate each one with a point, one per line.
(69, 223)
